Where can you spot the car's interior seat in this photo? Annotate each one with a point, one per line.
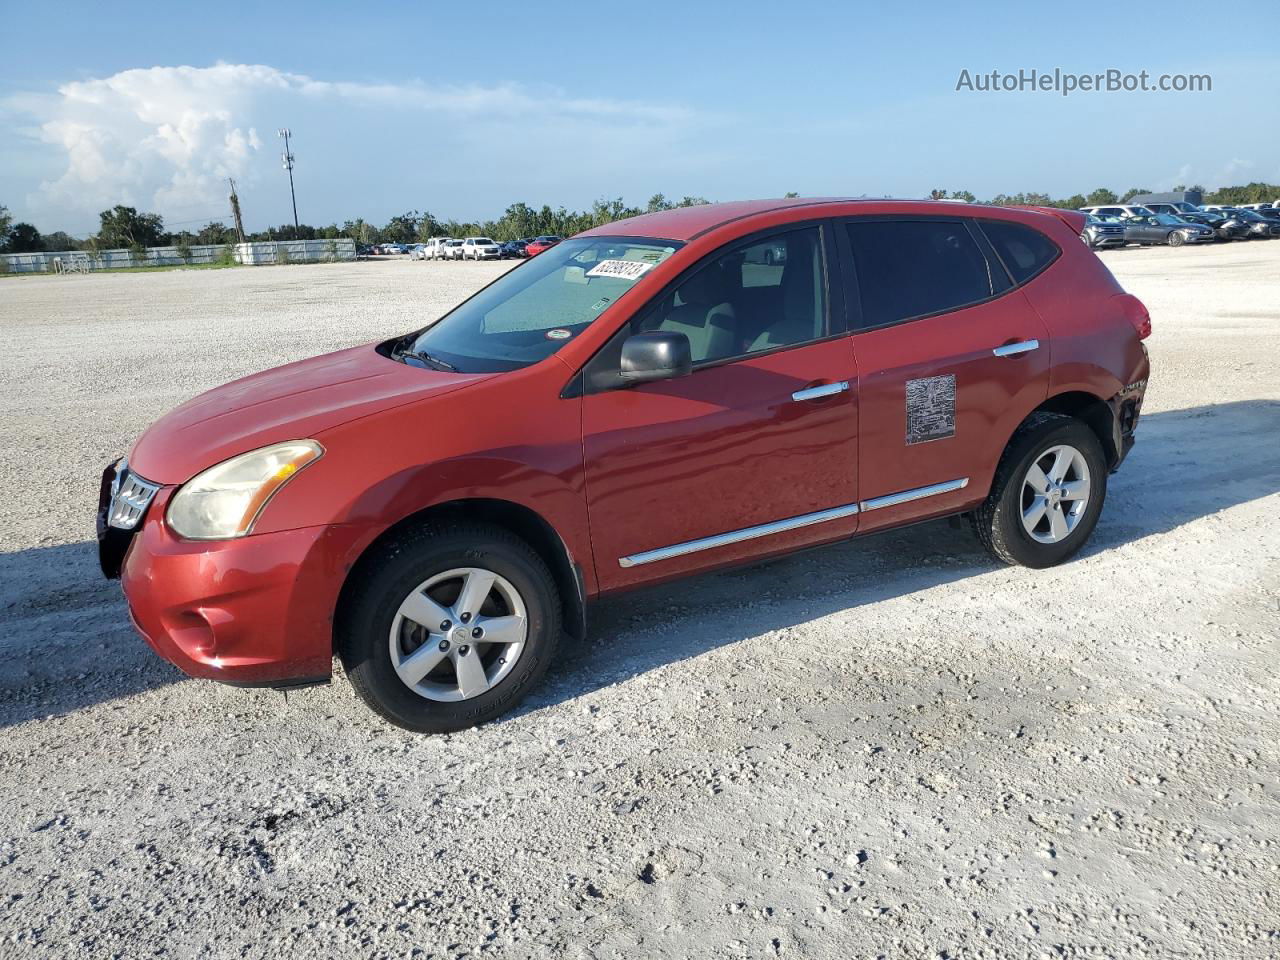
(798, 319)
(705, 315)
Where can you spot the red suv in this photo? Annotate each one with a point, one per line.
(654, 398)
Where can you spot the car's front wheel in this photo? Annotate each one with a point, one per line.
(1047, 493)
(1176, 239)
(448, 626)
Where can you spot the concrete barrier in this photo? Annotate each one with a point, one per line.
(253, 254)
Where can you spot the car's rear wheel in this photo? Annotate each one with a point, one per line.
(448, 626)
(1176, 239)
(1047, 493)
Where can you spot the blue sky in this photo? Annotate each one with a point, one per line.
(461, 110)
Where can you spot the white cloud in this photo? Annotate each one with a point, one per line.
(166, 138)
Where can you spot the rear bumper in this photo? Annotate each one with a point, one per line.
(255, 611)
(1126, 408)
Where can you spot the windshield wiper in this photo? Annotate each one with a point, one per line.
(423, 357)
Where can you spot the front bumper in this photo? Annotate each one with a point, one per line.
(255, 611)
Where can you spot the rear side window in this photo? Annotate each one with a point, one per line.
(915, 268)
(1024, 251)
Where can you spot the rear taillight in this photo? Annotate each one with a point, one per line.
(1136, 313)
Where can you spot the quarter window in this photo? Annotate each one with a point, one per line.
(1024, 251)
(915, 268)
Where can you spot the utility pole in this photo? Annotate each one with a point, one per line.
(235, 212)
(287, 159)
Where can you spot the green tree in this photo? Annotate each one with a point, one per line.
(1100, 197)
(24, 238)
(5, 220)
(213, 233)
(184, 251)
(790, 195)
(1133, 192)
(964, 195)
(61, 240)
(125, 227)
(402, 229)
(657, 203)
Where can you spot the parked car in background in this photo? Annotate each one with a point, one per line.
(364, 250)
(1166, 228)
(434, 249)
(417, 251)
(632, 406)
(452, 250)
(1255, 206)
(1223, 228)
(539, 244)
(1177, 208)
(480, 248)
(1259, 226)
(513, 249)
(1103, 232)
(1119, 210)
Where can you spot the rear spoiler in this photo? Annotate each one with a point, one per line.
(1072, 218)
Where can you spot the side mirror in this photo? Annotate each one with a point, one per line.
(655, 355)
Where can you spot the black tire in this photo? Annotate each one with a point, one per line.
(998, 522)
(1176, 239)
(381, 582)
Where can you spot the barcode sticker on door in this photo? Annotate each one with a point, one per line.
(622, 269)
(931, 409)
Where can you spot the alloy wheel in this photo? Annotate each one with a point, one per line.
(1055, 494)
(458, 634)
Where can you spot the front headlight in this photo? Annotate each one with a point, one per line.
(225, 500)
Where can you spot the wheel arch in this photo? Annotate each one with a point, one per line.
(520, 520)
(1093, 411)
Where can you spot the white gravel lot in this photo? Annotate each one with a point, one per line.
(887, 748)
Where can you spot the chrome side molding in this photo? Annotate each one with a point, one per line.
(919, 493)
(792, 523)
(1013, 349)
(823, 390)
(737, 536)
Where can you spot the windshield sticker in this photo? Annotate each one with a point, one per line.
(600, 304)
(621, 269)
(559, 333)
(931, 409)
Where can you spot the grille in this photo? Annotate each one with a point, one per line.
(130, 497)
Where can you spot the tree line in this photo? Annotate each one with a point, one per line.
(124, 227)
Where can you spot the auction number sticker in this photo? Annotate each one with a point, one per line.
(621, 269)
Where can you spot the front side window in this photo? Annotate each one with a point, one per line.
(758, 296)
(530, 312)
(916, 268)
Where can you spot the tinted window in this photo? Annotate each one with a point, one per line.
(912, 268)
(1024, 251)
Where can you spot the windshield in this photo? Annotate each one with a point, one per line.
(1168, 219)
(1248, 215)
(529, 313)
(485, 240)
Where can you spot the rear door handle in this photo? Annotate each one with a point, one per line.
(1013, 349)
(822, 390)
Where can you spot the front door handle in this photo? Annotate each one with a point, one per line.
(822, 390)
(1013, 349)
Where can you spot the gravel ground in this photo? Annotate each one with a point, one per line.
(891, 747)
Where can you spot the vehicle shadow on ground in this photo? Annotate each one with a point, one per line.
(66, 643)
(1187, 464)
(65, 638)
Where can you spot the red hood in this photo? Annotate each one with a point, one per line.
(293, 402)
